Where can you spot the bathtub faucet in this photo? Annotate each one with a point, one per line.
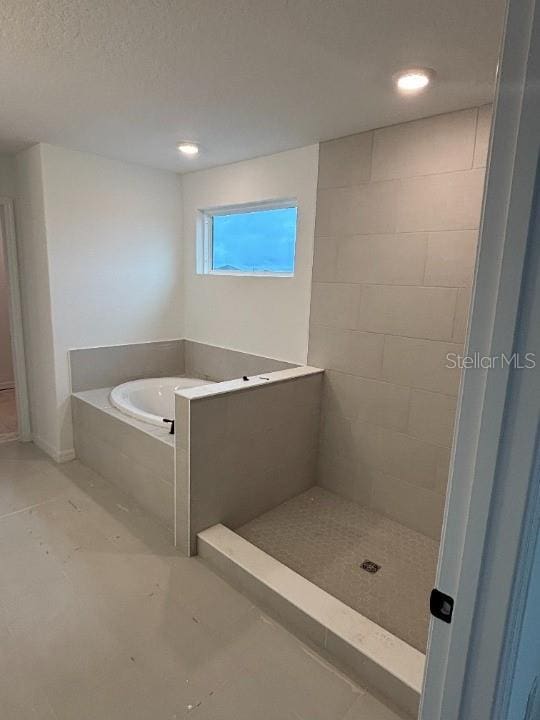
(171, 432)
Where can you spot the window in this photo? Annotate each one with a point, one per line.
(249, 240)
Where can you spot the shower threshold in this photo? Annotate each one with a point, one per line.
(372, 655)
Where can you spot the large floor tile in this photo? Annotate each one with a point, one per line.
(101, 619)
(368, 708)
(310, 687)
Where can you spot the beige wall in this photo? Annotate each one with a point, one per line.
(398, 211)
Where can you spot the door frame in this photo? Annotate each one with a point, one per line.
(8, 237)
(464, 659)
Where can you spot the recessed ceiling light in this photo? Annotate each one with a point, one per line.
(188, 148)
(414, 80)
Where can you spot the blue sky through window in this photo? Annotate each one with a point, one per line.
(255, 241)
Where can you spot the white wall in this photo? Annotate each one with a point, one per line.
(112, 244)
(7, 189)
(36, 300)
(268, 316)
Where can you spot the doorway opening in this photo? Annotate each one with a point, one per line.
(14, 412)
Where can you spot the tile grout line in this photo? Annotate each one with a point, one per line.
(448, 339)
(398, 178)
(475, 143)
(363, 283)
(341, 235)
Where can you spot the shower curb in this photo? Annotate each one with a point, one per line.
(372, 656)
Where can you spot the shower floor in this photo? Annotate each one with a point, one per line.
(325, 539)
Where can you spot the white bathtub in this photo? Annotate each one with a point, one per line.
(151, 400)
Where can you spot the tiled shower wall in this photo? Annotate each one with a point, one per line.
(398, 211)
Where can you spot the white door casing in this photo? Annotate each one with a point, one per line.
(461, 675)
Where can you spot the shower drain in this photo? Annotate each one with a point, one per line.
(370, 566)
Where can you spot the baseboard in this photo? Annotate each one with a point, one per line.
(59, 456)
(7, 385)
(65, 456)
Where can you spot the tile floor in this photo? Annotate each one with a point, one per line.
(101, 619)
(8, 414)
(325, 539)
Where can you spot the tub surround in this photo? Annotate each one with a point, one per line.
(280, 420)
(243, 447)
(108, 366)
(135, 456)
(248, 382)
(218, 363)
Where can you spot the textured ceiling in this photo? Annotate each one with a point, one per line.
(129, 78)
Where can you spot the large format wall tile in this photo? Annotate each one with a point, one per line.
(450, 258)
(345, 161)
(217, 363)
(431, 417)
(358, 353)
(246, 451)
(109, 366)
(334, 211)
(408, 504)
(423, 364)
(395, 247)
(482, 135)
(325, 258)
(439, 144)
(335, 304)
(450, 201)
(141, 464)
(462, 315)
(359, 398)
(341, 467)
(409, 311)
(385, 259)
(398, 454)
(359, 209)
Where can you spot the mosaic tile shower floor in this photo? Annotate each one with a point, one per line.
(326, 539)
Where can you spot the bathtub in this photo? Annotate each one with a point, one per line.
(151, 400)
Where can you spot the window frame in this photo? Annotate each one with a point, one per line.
(205, 240)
